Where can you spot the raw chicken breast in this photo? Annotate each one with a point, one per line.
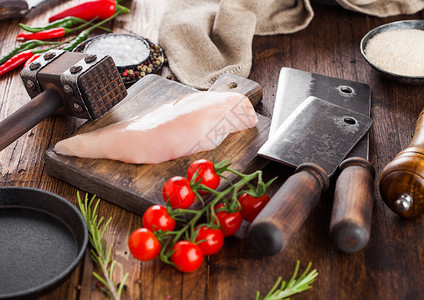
(194, 123)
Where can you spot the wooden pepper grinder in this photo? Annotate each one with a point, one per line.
(402, 180)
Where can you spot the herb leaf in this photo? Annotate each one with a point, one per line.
(99, 253)
(294, 286)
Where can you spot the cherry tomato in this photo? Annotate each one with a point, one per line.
(177, 189)
(187, 256)
(143, 244)
(229, 222)
(252, 206)
(205, 173)
(157, 218)
(214, 240)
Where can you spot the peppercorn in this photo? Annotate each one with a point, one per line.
(151, 65)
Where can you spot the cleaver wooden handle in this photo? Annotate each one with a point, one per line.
(272, 229)
(353, 203)
(29, 115)
(402, 180)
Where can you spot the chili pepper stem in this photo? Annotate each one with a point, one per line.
(65, 22)
(69, 30)
(25, 46)
(122, 9)
(84, 34)
(19, 59)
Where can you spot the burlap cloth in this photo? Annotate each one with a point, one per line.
(206, 38)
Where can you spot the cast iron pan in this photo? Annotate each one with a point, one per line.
(42, 239)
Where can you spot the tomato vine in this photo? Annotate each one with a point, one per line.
(200, 231)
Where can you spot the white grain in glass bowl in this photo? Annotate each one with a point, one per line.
(398, 51)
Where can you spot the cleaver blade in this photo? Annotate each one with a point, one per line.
(294, 86)
(319, 132)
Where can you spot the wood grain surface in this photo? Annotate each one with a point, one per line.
(390, 267)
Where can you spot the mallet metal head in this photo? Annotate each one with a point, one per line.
(89, 85)
(76, 84)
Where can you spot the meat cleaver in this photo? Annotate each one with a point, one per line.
(352, 208)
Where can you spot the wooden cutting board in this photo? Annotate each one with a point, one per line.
(136, 187)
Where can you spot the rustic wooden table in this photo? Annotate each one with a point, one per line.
(390, 267)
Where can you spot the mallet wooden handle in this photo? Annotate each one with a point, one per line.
(12, 9)
(287, 210)
(353, 203)
(402, 180)
(29, 115)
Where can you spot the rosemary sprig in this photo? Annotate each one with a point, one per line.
(99, 253)
(294, 286)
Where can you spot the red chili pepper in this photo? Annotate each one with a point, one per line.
(100, 9)
(50, 33)
(34, 57)
(43, 35)
(20, 58)
(15, 61)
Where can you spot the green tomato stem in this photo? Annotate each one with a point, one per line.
(171, 238)
(219, 195)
